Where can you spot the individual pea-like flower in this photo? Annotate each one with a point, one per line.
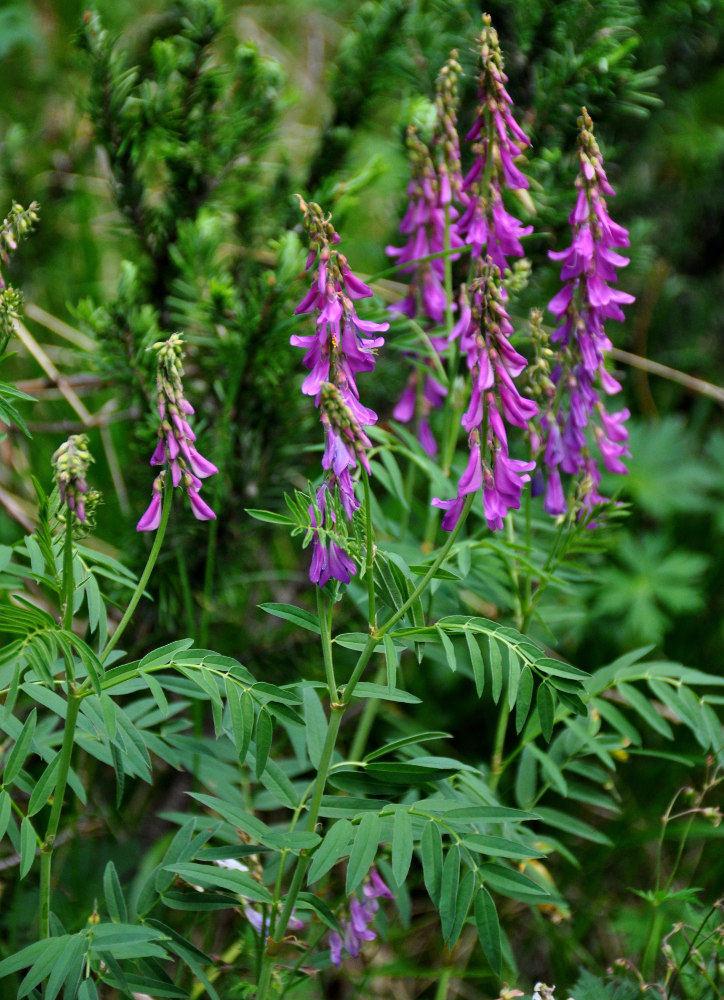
(582, 306)
(342, 346)
(356, 929)
(484, 329)
(256, 918)
(498, 141)
(70, 462)
(176, 448)
(543, 992)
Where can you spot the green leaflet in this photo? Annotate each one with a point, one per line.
(431, 850)
(449, 882)
(364, 850)
(297, 616)
(486, 920)
(333, 847)
(402, 844)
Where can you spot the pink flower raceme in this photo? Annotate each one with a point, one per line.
(342, 346)
(498, 141)
(176, 446)
(431, 228)
(357, 929)
(581, 308)
(484, 329)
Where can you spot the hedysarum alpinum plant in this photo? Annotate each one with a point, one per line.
(303, 828)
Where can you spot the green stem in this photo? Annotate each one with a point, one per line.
(46, 854)
(68, 581)
(188, 602)
(496, 764)
(210, 566)
(367, 718)
(410, 477)
(324, 624)
(267, 968)
(225, 438)
(689, 951)
(336, 713)
(528, 582)
(370, 557)
(141, 586)
(652, 942)
(431, 353)
(443, 983)
(68, 590)
(438, 561)
(393, 269)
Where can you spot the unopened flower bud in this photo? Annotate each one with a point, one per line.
(71, 462)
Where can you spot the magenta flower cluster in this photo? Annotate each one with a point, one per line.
(342, 346)
(176, 446)
(484, 329)
(358, 927)
(586, 300)
(498, 140)
(430, 225)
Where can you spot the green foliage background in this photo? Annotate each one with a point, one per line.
(324, 93)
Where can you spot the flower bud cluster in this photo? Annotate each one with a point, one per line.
(176, 447)
(581, 308)
(338, 350)
(17, 224)
(70, 462)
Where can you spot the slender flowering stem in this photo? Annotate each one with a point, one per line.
(224, 437)
(337, 710)
(323, 612)
(370, 554)
(68, 581)
(303, 860)
(373, 639)
(46, 851)
(141, 586)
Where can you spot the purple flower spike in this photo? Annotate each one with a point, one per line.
(342, 346)
(176, 447)
(494, 365)
(430, 225)
(586, 300)
(498, 141)
(357, 929)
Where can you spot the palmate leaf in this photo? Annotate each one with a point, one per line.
(649, 586)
